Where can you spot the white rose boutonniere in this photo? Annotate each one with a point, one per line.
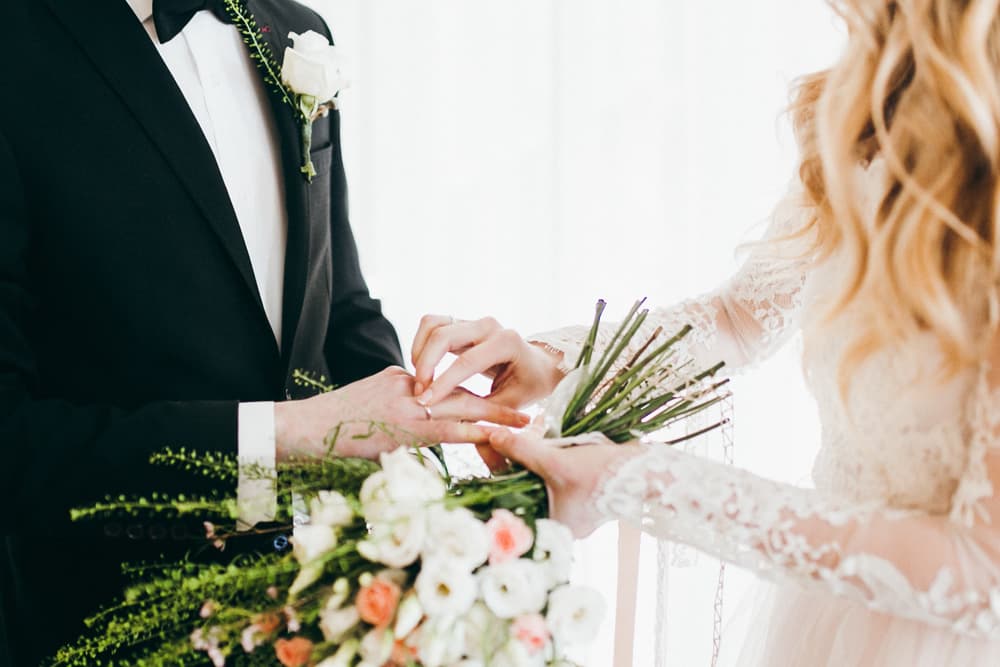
(313, 67)
(309, 79)
(313, 70)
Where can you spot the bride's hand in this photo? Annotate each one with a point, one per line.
(572, 474)
(521, 372)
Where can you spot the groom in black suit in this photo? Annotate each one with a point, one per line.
(132, 312)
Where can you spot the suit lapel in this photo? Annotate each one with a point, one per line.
(275, 29)
(119, 47)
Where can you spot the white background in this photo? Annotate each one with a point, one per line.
(523, 158)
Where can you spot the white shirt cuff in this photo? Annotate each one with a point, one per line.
(256, 491)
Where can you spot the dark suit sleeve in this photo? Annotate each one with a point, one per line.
(360, 340)
(56, 454)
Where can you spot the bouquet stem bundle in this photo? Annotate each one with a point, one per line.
(651, 390)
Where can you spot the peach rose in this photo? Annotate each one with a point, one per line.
(531, 631)
(377, 602)
(294, 652)
(510, 537)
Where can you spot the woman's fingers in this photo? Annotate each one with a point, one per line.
(466, 406)
(529, 451)
(452, 432)
(463, 405)
(501, 347)
(444, 338)
(428, 323)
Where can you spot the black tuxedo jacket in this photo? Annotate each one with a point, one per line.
(129, 315)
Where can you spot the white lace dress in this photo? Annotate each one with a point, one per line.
(894, 558)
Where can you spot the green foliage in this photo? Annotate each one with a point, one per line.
(261, 54)
(221, 467)
(310, 380)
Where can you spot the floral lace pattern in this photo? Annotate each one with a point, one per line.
(782, 531)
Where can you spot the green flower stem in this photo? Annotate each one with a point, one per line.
(588, 347)
(626, 331)
(307, 108)
(620, 392)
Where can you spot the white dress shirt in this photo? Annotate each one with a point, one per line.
(212, 67)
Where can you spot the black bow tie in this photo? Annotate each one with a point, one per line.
(170, 16)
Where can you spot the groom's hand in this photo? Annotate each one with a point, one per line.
(522, 372)
(378, 414)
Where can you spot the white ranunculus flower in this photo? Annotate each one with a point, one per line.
(335, 623)
(313, 66)
(409, 480)
(311, 542)
(574, 615)
(514, 588)
(376, 648)
(456, 536)
(344, 656)
(441, 641)
(445, 588)
(554, 550)
(330, 508)
(397, 538)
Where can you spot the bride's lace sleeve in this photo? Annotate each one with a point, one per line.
(743, 321)
(939, 569)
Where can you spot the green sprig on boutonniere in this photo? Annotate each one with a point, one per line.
(308, 81)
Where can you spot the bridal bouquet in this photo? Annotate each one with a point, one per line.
(394, 563)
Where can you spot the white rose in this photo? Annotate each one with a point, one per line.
(445, 588)
(456, 536)
(514, 588)
(311, 542)
(335, 623)
(313, 66)
(441, 642)
(397, 539)
(554, 550)
(409, 481)
(376, 648)
(574, 615)
(329, 508)
(343, 657)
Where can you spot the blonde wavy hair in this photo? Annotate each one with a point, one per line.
(918, 87)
